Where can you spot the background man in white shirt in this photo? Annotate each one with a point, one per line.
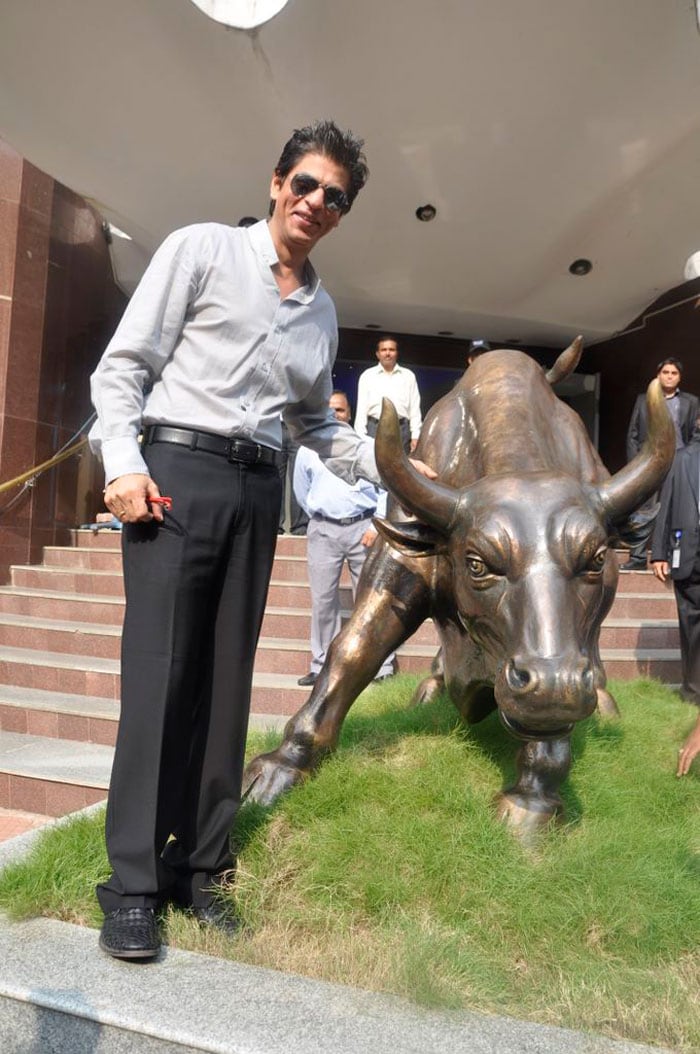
(396, 383)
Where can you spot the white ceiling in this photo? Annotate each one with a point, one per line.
(542, 131)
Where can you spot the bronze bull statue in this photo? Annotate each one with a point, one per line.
(509, 551)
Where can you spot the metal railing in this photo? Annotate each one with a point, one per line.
(27, 480)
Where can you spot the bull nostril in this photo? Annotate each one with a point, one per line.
(588, 680)
(517, 678)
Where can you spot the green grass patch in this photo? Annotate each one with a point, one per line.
(389, 871)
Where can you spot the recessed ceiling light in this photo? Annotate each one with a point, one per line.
(372, 325)
(426, 213)
(241, 14)
(692, 267)
(446, 333)
(581, 267)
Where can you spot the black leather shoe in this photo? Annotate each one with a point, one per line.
(307, 680)
(634, 565)
(130, 933)
(219, 916)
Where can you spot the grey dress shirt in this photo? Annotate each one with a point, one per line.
(207, 343)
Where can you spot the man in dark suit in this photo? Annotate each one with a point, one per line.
(675, 551)
(684, 412)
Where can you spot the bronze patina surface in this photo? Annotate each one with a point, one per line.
(509, 551)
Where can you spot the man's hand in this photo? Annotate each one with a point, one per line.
(689, 750)
(425, 470)
(126, 497)
(368, 538)
(660, 569)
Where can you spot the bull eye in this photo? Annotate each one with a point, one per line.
(597, 562)
(476, 567)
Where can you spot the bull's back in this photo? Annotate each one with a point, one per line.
(502, 417)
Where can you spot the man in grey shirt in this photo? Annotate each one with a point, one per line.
(229, 329)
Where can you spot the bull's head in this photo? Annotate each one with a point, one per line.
(533, 572)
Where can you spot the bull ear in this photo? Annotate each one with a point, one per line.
(411, 538)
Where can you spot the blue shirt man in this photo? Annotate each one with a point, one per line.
(339, 529)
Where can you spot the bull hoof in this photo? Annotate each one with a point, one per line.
(527, 818)
(266, 779)
(428, 691)
(606, 705)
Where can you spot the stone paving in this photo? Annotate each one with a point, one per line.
(14, 822)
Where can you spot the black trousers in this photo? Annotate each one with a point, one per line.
(195, 595)
(404, 425)
(688, 602)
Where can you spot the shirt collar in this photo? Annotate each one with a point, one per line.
(397, 369)
(264, 247)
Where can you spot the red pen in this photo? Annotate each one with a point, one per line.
(167, 503)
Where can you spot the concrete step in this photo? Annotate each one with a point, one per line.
(66, 580)
(639, 582)
(289, 567)
(54, 604)
(284, 652)
(626, 664)
(287, 544)
(58, 993)
(648, 605)
(278, 665)
(51, 776)
(58, 715)
(91, 607)
(60, 635)
(85, 719)
(92, 676)
(82, 559)
(296, 622)
(639, 633)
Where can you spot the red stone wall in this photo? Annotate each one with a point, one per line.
(58, 307)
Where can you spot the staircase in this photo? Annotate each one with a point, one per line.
(59, 669)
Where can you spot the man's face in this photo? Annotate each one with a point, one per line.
(301, 222)
(387, 353)
(340, 407)
(669, 378)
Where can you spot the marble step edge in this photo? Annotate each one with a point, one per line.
(110, 630)
(96, 664)
(54, 983)
(55, 760)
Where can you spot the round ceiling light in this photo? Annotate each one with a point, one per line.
(241, 14)
(692, 267)
(426, 213)
(581, 267)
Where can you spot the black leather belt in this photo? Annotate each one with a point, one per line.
(346, 520)
(402, 420)
(233, 449)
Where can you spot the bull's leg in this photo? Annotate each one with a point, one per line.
(430, 687)
(534, 800)
(392, 602)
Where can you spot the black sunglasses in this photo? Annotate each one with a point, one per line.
(334, 199)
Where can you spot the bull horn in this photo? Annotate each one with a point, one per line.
(432, 503)
(637, 481)
(567, 362)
